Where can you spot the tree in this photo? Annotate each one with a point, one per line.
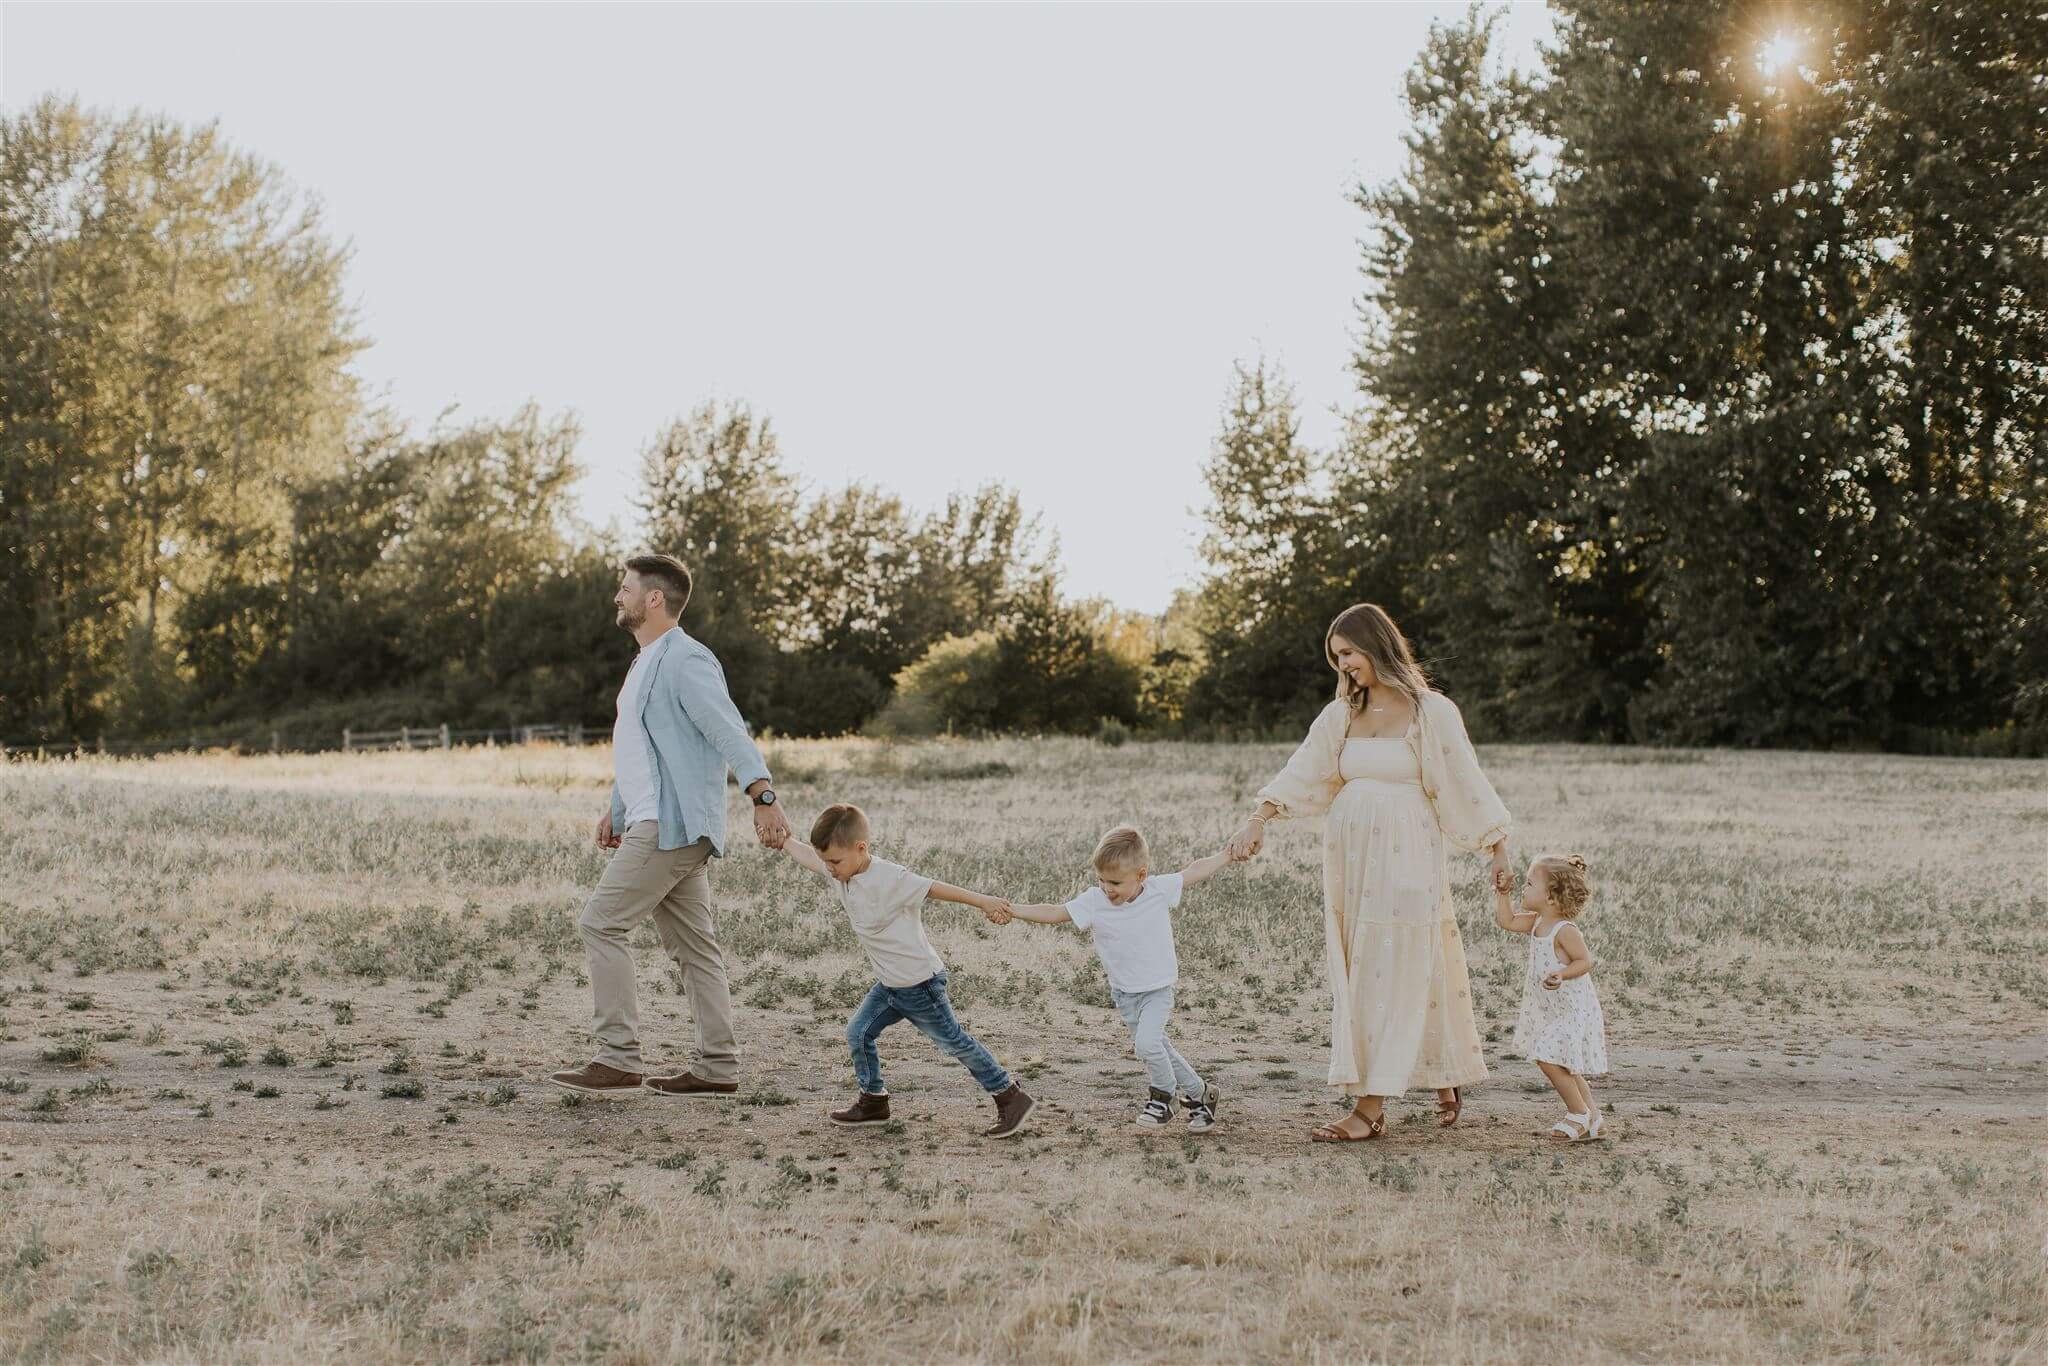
(715, 495)
(177, 345)
(1272, 586)
(1052, 673)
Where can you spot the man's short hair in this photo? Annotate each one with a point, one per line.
(667, 573)
(839, 826)
(1121, 850)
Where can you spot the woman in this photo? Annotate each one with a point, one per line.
(1390, 762)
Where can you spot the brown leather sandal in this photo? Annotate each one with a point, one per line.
(1448, 1111)
(1330, 1133)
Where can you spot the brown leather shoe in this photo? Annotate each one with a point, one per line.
(690, 1084)
(867, 1110)
(1013, 1107)
(598, 1079)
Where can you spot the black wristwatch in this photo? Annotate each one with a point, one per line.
(766, 797)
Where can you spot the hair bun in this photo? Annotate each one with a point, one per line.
(1576, 861)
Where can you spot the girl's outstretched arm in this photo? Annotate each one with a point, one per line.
(1504, 913)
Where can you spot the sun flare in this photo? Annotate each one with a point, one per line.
(1777, 53)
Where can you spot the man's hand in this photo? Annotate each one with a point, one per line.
(771, 826)
(605, 838)
(997, 909)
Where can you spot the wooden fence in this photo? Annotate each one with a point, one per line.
(405, 737)
(441, 737)
(62, 749)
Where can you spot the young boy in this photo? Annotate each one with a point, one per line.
(1128, 918)
(885, 903)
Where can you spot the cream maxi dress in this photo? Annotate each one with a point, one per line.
(1400, 1003)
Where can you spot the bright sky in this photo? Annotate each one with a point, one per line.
(936, 245)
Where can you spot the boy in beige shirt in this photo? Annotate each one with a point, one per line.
(884, 901)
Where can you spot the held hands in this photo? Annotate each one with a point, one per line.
(771, 826)
(1503, 875)
(1249, 839)
(997, 909)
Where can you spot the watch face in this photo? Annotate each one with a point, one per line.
(767, 798)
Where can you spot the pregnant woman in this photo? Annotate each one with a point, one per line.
(1390, 762)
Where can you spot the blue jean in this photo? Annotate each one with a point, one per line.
(924, 1005)
(1146, 1012)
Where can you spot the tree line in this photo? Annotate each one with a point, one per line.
(1700, 400)
(205, 526)
(1703, 379)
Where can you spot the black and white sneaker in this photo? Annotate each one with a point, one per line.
(1202, 1109)
(1158, 1109)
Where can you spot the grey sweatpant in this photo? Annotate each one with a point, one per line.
(1147, 1012)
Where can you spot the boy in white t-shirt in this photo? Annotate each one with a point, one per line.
(1128, 918)
(885, 903)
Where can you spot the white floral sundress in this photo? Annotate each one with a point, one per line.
(1564, 1027)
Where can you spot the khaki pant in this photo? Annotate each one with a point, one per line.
(674, 886)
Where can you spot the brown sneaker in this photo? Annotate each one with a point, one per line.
(690, 1084)
(867, 1110)
(1013, 1107)
(598, 1079)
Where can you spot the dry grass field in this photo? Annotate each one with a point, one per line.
(274, 1034)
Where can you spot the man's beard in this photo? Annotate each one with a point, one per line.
(631, 619)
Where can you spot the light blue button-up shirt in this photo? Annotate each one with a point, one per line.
(694, 735)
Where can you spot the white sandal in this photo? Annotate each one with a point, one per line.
(1594, 1131)
(1571, 1129)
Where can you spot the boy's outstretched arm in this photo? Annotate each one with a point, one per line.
(994, 907)
(1204, 868)
(1040, 914)
(804, 856)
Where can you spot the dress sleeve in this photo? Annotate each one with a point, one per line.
(1470, 813)
(1310, 782)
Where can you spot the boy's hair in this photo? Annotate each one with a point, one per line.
(667, 573)
(839, 826)
(1122, 847)
(1565, 877)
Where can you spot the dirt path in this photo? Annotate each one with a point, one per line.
(488, 1096)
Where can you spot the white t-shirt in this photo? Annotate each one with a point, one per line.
(1134, 940)
(885, 903)
(633, 752)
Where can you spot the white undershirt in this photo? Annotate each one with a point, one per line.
(632, 752)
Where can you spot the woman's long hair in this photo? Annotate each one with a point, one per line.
(1370, 629)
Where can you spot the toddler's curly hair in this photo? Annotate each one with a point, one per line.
(1565, 877)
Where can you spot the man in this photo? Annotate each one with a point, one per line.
(676, 735)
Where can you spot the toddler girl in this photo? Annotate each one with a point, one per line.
(1560, 1028)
